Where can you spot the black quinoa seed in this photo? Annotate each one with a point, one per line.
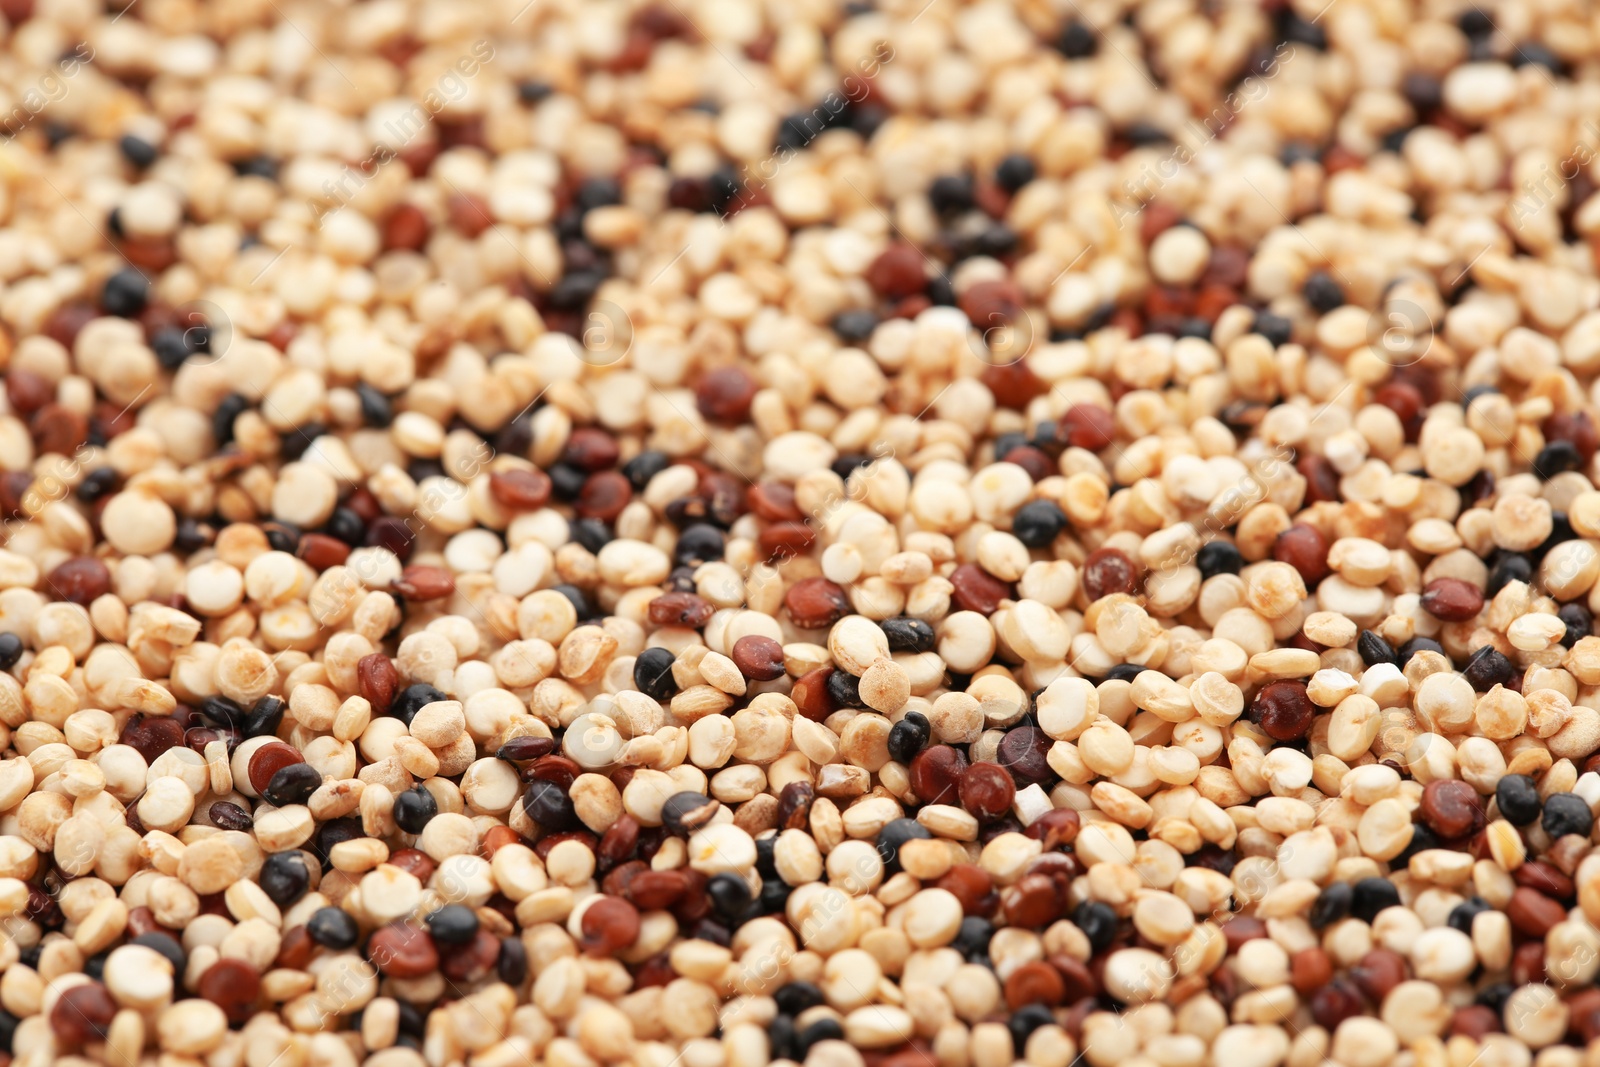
(1566, 813)
(1372, 895)
(1517, 797)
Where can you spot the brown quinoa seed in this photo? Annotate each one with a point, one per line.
(1451, 600)
(520, 490)
(815, 602)
(758, 658)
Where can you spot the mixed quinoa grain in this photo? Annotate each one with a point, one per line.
(911, 533)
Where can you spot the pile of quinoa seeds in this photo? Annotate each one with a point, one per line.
(904, 533)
